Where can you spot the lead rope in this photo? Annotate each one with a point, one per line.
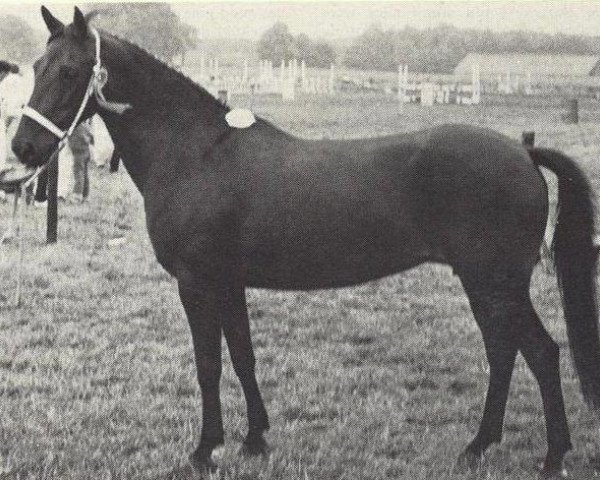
(19, 213)
(97, 82)
(18, 216)
(10, 231)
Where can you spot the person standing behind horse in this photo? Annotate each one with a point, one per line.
(91, 137)
(14, 91)
(79, 143)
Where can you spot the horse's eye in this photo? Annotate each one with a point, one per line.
(67, 73)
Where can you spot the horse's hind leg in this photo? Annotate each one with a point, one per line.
(508, 321)
(542, 356)
(495, 310)
(237, 334)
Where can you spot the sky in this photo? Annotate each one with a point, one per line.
(330, 20)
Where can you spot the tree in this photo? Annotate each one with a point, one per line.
(302, 46)
(153, 26)
(278, 44)
(322, 55)
(374, 49)
(19, 43)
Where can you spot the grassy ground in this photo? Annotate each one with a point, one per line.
(385, 380)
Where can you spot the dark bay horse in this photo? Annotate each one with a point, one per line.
(230, 208)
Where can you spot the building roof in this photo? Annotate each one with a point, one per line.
(537, 65)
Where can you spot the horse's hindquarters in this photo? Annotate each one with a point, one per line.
(483, 204)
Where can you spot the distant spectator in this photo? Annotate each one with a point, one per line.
(9, 124)
(103, 145)
(9, 112)
(89, 144)
(8, 116)
(79, 143)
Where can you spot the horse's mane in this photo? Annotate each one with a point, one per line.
(179, 77)
(170, 73)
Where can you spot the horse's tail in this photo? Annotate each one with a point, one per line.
(575, 259)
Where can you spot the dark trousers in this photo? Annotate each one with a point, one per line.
(81, 160)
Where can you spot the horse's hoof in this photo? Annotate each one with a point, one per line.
(468, 461)
(548, 471)
(188, 472)
(202, 464)
(255, 445)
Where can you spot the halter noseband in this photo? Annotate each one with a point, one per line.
(96, 84)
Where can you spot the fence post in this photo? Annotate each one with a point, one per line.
(401, 85)
(52, 214)
(528, 139)
(331, 84)
(572, 115)
(476, 85)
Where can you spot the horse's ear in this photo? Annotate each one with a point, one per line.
(80, 24)
(54, 25)
(91, 15)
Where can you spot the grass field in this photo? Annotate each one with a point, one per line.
(385, 380)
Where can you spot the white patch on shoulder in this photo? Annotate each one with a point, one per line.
(240, 118)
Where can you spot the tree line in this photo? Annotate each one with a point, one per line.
(153, 26)
(433, 50)
(278, 44)
(441, 48)
(18, 41)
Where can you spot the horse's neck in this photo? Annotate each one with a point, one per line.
(163, 105)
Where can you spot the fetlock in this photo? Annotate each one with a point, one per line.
(255, 444)
(201, 459)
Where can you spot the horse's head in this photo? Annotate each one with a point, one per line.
(62, 76)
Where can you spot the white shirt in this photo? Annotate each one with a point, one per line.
(15, 91)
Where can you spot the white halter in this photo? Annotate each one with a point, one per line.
(96, 84)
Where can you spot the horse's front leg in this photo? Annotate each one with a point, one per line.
(237, 333)
(205, 307)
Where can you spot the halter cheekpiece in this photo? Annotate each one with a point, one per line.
(96, 84)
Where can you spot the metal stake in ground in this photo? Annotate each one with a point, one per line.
(20, 192)
(52, 213)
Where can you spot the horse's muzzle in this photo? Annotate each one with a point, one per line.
(25, 151)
